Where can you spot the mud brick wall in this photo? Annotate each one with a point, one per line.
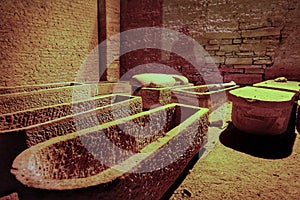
(45, 41)
(248, 41)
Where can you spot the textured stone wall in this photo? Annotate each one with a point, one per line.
(248, 41)
(45, 41)
(244, 38)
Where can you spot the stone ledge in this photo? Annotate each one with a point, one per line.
(270, 31)
(247, 66)
(222, 35)
(245, 61)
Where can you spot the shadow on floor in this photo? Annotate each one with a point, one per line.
(270, 147)
(181, 178)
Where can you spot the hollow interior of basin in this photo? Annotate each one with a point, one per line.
(94, 151)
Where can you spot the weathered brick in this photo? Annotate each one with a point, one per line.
(214, 41)
(215, 59)
(222, 35)
(230, 69)
(262, 58)
(243, 79)
(263, 62)
(254, 71)
(220, 53)
(229, 48)
(251, 41)
(253, 47)
(248, 66)
(226, 41)
(212, 47)
(251, 53)
(241, 61)
(237, 41)
(271, 31)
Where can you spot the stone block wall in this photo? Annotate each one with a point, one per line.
(247, 41)
(45, 41)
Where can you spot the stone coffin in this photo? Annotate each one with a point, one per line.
(113, 107)
(38, 96)
(206, 96)
(154, 97)
(39, 115)
(14, 141)
(137, 157)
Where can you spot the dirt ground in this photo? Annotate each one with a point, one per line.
(242, 166)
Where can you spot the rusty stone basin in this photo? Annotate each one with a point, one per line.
(207, 96)
(40, 115)
(261, 110)
(140, 155)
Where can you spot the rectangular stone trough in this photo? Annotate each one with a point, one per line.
(113, 107)
(30, 88)
(154, 97)
(137, 157)
(206, 96)
(40, 115)
(14, 102)
(36, 96)
(96, 111)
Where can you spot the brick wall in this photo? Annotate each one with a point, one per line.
(248, 41)
(45, 41)
(137, 14)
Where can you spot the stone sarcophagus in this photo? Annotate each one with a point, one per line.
(55, 120)
(37, 96)
(154, 97)
(135, 157)
(206, 96)
(34, 116)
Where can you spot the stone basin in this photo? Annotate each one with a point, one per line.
(37, 96)
(260, 110)
(207, 96)
(40, 115)
(154, 97)
(112, 107)
(96, 111)
(117, 152)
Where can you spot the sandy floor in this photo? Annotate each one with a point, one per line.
(241, 166)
